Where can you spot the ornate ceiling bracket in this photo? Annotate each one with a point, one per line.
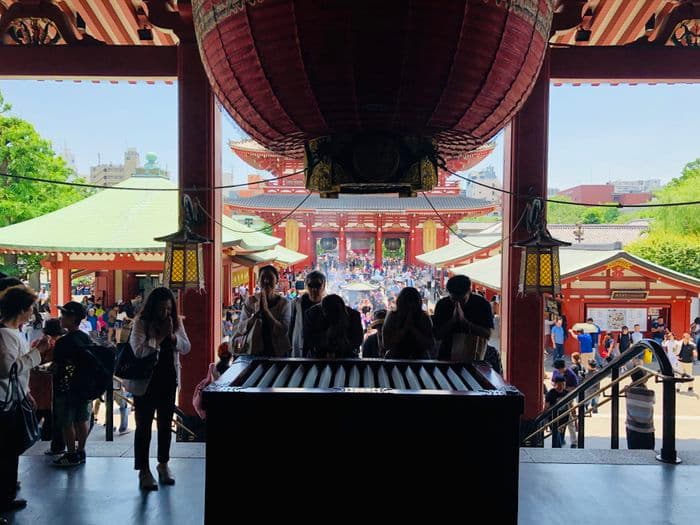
(567, 14)
(165, 14)
(678, 24)
(40, 23)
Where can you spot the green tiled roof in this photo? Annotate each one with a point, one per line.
(487, 272)
(457, 250)
(118, 221)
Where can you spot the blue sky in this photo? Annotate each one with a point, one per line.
(596, 133)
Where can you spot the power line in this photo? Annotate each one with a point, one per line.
(465, 241)
(188, 190)
(531, 197)
(201, 208)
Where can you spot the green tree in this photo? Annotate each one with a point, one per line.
(684, 220)
(676, 252)
(561, 213)
(23, 152)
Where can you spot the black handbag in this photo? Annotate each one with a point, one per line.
(20, 427)
(128, 366)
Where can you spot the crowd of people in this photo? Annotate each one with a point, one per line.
(596, 349)
(41, 367)
(395, 317)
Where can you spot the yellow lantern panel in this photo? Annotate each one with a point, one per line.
(177, 268)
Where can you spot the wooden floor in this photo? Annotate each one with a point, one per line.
(556, 487)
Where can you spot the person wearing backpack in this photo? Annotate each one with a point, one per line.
(157, 329)
(72, 412)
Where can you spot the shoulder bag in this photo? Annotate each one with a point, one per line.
(20, 428)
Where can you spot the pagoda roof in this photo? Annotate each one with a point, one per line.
(388, 203)
(460, 249)
(573, 261)
(119, 221)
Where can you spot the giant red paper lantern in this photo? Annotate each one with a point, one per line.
(447, 74)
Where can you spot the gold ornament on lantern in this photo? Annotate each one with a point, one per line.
(539, 264)
(184, 267)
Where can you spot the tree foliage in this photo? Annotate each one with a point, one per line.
(559, 213)
(674, 238)
(676, 252)
(683, 220)
(25, 153)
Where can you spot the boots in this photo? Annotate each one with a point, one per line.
(146, 480)
(165, 477)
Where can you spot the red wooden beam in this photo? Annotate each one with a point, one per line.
(89, 62)
(633, 63)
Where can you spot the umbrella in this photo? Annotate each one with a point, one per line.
(586, 327)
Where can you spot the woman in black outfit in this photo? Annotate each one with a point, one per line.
(156, 329)
(408, 332)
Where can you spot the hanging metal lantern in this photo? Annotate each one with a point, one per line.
(184, 261)
(329, 243)
(539, 264)
(392, 244)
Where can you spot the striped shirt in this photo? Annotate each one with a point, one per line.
(640, 409)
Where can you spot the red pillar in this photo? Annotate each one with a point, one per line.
(200, 165)
(226, 280)
(53, 297)
(342, 247)
(110, 295)
(251, 280)
(526, 170)
(65, 278)
(378, 248)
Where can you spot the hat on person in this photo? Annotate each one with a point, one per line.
(378, 318)
(73, 308)
(52, 327)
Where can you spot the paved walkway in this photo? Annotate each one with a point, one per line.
(611, 487)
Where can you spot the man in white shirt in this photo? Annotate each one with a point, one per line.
(637, 336)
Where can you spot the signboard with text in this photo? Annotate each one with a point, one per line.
(613, 319)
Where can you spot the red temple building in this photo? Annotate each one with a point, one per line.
(358, 224)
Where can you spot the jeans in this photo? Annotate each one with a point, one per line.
(124, 411)
(640, 440)
(160, 399)
(558, 351)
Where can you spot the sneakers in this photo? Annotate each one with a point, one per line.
(49, 452)
(69, 459)
(165, 477)
(146, 480)
(125, 431)
(82, 456)
(574, 445)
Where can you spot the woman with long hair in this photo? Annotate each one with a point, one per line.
(157, 329)
(264, 322)
(16, 308)
(407, 330)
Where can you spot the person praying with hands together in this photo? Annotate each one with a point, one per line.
(462, 322)
(159, 329)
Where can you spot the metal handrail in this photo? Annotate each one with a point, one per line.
(574, 407)
(666, 376)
